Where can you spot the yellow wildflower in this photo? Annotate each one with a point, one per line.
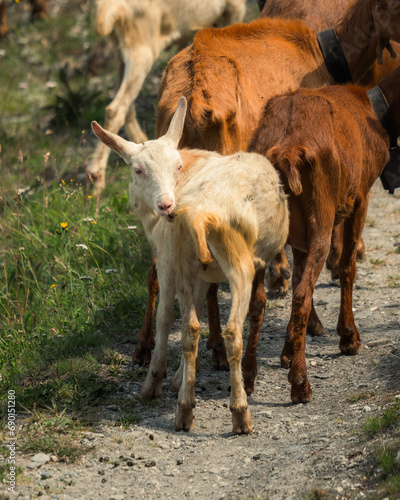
(89, 197)
(53, 285)
(64, 225)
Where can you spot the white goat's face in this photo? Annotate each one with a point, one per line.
(155, 168)
(155, 164)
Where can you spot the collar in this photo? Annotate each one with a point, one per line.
(382, 111)
(333, 56)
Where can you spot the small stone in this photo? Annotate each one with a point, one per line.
(45, 475)
(41, 458)
(150, 463)
(179, 461)
(101, 472)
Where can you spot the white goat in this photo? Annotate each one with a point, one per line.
(143, 29)
(229, 217)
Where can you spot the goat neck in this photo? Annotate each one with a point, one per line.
(365, 31)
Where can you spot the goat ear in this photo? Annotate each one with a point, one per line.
(175, 128)
(124, 148)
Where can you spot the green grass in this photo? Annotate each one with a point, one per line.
(72, 275)
(389, 418)
(383, 431)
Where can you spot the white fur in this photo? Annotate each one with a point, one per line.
(143, 29)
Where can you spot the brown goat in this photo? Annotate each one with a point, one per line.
(228, 74)
(320, 15)
(327, 174)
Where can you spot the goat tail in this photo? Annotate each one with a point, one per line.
(289, 164)
(108, 12)
(197, 226)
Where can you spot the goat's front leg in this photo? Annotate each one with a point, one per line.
(152, 386)
(199, 297)
(332, 262)
(349, 336)
(215, 341)
(145, 345)
(256, 314)
(186, 280)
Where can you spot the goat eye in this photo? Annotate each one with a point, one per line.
(138, 171)
(180, 168)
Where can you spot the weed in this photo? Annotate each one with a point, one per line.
(389, 418)
(394, 281)
(377, 262)
(362, 396)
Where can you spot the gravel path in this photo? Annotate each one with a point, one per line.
(293, 448)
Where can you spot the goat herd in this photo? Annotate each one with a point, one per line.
(258, 144)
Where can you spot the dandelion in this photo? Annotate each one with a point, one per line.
(64, 225)
(94, 222)
(89, 197)
(53, 285)
(62, 180)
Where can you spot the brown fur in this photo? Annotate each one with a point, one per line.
(327, 174)
(320, 15)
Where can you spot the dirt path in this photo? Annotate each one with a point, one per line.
(293, 448)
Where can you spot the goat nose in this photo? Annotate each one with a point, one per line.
(164, 205)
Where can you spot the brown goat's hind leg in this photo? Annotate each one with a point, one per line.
(256, 314)
(349, 336)
(306, 269)
(215, 341)
(145, 345)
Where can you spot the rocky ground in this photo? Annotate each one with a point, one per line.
(294, 449)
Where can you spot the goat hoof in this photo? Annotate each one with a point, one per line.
(315, 329)
(301, 393)
(350, 349)
(241, 422)
(219, 360)
(151, 389)
(248, 379)
(183, 419)
(279, 290)
(142, 355)
(285, 361)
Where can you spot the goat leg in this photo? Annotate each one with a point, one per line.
(215, 341)
(145, 345)
(256, 314)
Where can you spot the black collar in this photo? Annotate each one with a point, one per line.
(382, 111)
(333, 56)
